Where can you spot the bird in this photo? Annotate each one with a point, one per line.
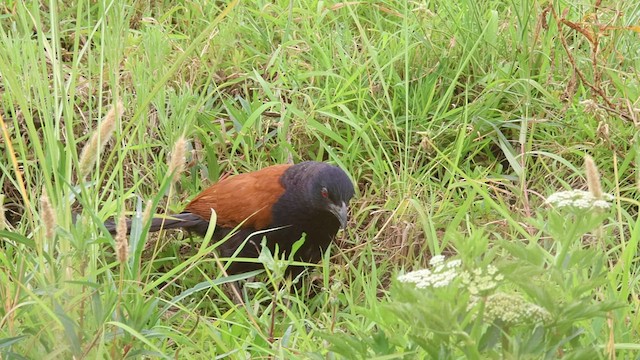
(281, 203)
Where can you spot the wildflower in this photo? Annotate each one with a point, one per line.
(579, 199)
(513, 309)
(334, 291)
(442, 274)
(453, 263)
(436, 260)
(481, 281)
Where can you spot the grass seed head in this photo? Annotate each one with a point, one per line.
(593, 178)
(122, 240)
(3, 220)
(146, 215)
(176, 163)
(94, 146)
(48, 215)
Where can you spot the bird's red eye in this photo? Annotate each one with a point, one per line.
(324, 192)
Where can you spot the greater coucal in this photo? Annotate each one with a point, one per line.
(308, 198)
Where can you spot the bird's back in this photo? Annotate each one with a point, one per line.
(242, 199)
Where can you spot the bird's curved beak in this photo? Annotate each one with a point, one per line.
(340, 212)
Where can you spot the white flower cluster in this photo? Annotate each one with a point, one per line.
(481, 281)
(579, 199)
(442, 274)
(513, 309)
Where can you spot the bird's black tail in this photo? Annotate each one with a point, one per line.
(184, 220)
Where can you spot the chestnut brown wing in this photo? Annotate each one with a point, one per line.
(242, 198)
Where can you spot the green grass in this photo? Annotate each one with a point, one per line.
(454, 119)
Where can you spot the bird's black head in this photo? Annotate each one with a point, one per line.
(325, 188)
